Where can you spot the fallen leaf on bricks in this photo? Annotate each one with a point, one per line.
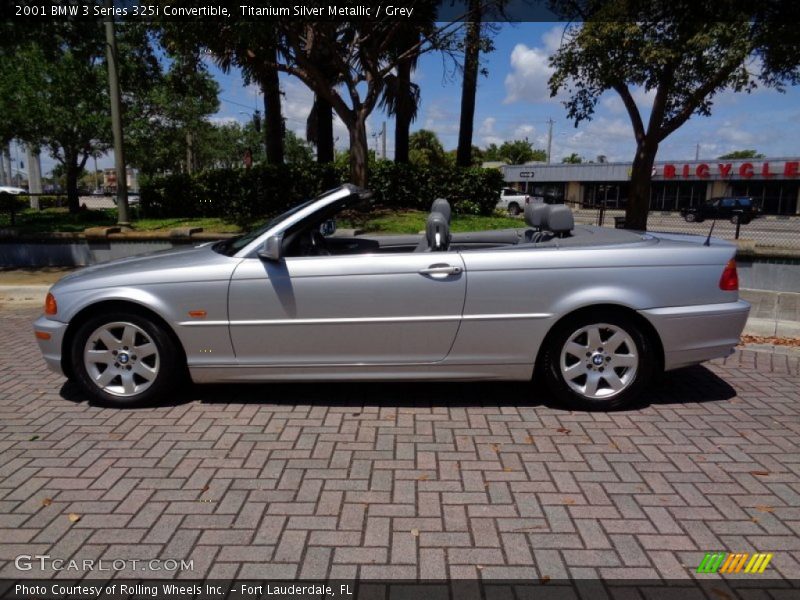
(204, 489)
(562, 430)
(529, 439)
(47, 502)
(33, 438)
(495, 448)
(415, 532)
(508, 469)
(73, 518)
(614, 445)
(422, 478)
(765, 509)
(569, 501)
(760, 473)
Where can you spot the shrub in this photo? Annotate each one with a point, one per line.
(245, 195)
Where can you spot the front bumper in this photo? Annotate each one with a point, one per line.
(51, 348)
(694, 334)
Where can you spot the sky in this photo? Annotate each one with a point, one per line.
(513, 102)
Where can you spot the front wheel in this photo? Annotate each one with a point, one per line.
(690, 217)
(513, 209)
(599, 361)
(125, 359)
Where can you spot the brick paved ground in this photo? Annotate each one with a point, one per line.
(428, 480)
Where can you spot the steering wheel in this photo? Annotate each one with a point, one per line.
(314, 244)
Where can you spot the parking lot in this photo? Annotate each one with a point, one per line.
(401, 480)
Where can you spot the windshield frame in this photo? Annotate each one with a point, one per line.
(257, 237)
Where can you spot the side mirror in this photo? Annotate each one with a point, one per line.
(328, 227)
(271, 250)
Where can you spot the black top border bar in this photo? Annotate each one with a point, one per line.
(266, 11)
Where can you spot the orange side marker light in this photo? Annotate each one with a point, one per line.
(197, 314)
(42, 335)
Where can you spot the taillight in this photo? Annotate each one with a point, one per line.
(730, 278)
(50, 306)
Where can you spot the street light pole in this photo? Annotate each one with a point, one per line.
(116, 122)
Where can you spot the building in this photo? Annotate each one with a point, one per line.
(110, 180)
(774, 183)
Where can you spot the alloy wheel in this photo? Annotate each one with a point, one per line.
(599, 361)
(121, 359)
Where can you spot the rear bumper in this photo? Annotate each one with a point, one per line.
(693, 334)
(51, 348)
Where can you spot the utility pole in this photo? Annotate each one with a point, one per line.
(383, 141)
(116, 121)
(549, 138)
(697, 152)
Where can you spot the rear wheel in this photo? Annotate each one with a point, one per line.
(513, 209)
(599, 361)
(125, 359)
(690, 217)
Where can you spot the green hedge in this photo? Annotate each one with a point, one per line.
(243, 195)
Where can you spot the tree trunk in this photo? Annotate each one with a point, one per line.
(189, 153)
(71, 167)
(358, 151)
(402, 118)
(639, 190)
(469, 86)
(272, 111)
(324, 114)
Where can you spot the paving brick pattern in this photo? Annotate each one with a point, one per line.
(402, 481)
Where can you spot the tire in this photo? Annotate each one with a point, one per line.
(124, 359)
(588, 386)
(513, 209)
(690, 217)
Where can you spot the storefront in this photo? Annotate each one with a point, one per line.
(774, 184)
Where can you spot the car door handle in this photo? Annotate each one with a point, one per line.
(441, 270)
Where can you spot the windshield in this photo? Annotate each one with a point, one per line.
(233, 245)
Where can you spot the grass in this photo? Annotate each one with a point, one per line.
(59, 219)
(379, 221)
(413, 221)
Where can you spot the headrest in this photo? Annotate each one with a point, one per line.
(437, 232)
(442, 206)
(534, 214)
(559, 219)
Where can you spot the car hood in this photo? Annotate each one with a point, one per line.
(196, 263)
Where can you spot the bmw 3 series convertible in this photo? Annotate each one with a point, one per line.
(592, 313)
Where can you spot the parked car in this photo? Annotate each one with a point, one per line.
(738, 210)
(10, 189)
(593, 313)
(512, 201)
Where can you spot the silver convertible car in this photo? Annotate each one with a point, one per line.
(593, 313)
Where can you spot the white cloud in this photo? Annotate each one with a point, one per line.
(530, 71)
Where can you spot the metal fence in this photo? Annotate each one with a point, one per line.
(766, 232)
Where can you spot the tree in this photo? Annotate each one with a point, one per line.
(173, 129)
(573, 159)
(63, 105)
(469, 86)
(742, 154)
(684, 60)
(426, 149)
(518, 152)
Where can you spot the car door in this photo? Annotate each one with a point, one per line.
(356, 309)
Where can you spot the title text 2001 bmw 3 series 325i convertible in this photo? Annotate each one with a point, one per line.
(592, 313)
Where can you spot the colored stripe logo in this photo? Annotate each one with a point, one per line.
(725, 562)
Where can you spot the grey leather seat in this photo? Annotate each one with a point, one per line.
(558, 222)
(442, 206)
(437, 234)
(534, 216)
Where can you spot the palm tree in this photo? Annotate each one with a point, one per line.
(470, 85)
